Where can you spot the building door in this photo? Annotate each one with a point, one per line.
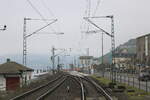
(12, 83)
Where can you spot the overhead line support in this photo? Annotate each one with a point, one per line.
(25, 36)
(112, 40)
(41, 28)
(87, 19)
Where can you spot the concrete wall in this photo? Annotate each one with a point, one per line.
(2, 83)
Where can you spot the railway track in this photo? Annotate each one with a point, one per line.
(79, 81)
(98, 88)
(67, 87)
(66, 90)
(44, 96)
(85, 91)
(35, 93)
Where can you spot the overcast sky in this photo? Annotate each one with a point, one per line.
(131, 20)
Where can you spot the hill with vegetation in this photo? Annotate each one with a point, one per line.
(128, 47)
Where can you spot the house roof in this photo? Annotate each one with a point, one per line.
(13, 68)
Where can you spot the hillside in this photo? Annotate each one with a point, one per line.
(128, 47)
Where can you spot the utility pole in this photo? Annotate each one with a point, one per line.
(113, 70)
(75, 61)
(24, 43)
(25, 35)
(58, 65)
(113, 49)
(54, 55)
(53, 59)
(102, 50)
(103, 71)
(58, 60)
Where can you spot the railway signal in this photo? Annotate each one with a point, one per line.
(4, 28)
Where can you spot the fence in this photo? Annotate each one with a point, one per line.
(130, 80)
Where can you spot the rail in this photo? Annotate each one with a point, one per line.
(79, 81)
(99, 88)
(35, 89)
(42, 97)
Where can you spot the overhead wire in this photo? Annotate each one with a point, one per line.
(85, 26)
(88, 14)
(36, 10)
(97, 6)
(51, 14)
(83, 23)
(39, 13)
(49, 11)
(89, 8)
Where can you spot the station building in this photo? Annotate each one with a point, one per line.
(143, 50)
(86, 60)
(13, 75)
(86, 63)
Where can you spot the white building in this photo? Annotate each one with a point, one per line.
(86, 60)
(86, 63)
